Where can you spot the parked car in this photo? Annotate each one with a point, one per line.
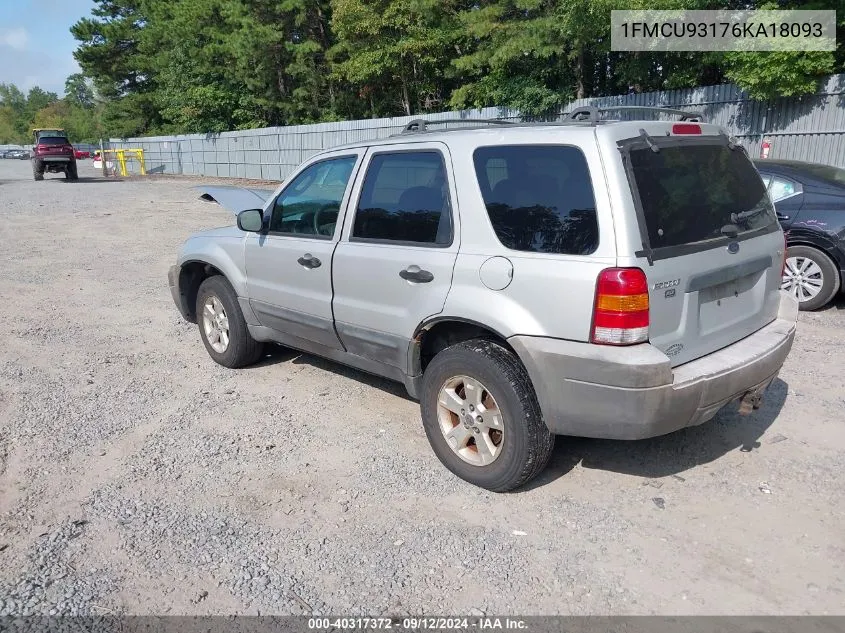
(603, 279)
(81, 153)
(810, 202)
(20, 154)
(53, 154)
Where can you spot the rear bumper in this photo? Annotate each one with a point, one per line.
(633, 393)
(55, 159)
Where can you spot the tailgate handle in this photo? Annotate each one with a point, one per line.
(729, 274)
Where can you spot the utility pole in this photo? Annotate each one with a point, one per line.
(103, 159)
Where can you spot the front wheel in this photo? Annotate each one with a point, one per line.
(222, 326)
(810, 276)
(482, 417)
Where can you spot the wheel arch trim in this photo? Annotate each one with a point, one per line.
(414, 364)
(820, 242)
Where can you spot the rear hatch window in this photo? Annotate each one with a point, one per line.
(52, 140)
(691, 194)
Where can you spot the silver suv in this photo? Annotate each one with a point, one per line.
(609, 279)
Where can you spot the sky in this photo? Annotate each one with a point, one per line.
(36, 47)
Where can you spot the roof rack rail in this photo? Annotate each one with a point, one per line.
(591, 113)
(421, 125)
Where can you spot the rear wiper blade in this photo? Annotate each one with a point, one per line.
(744, 216)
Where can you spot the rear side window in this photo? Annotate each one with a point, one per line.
(539, 197)
(405, 198)
(779, 188)
(696, 192)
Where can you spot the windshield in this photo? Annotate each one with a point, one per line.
(696, 192)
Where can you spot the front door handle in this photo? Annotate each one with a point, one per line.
(416, 275)
(309, 261)
(782, 216)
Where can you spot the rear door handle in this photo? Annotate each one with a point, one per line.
(309, 261)
(416, 275)
(782, 216)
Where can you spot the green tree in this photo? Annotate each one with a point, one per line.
(212, 65)
(280, 53)
(109, 53)
(79, 91)
(514, 54)
(397, 52)
(12, 97)
(767, 75)
(36, 99)
(9, 132)
(186, 42)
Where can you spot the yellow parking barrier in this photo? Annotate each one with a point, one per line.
(121, 157)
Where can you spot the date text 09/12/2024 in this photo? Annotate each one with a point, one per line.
(418, 623)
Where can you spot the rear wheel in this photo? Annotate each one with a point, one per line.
(37, 170)
(222, 326)
(810, 276)
(482, 418)
(71, 173)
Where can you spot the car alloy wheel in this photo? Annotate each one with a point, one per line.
(215, 324)
(803, 278)
(470, 420)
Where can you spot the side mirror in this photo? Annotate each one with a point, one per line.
(251, 220)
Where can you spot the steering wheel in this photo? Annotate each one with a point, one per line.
(324, 210)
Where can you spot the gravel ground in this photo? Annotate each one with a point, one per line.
(136, 476)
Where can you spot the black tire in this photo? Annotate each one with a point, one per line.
(828, 272)
(37, 170)
(527, 442)
(242, 349)
(71, 173)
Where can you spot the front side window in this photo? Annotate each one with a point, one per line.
(311, 203)
(405, 198)
(539, 197)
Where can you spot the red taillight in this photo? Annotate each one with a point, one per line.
(686, 128)
(620, 315)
